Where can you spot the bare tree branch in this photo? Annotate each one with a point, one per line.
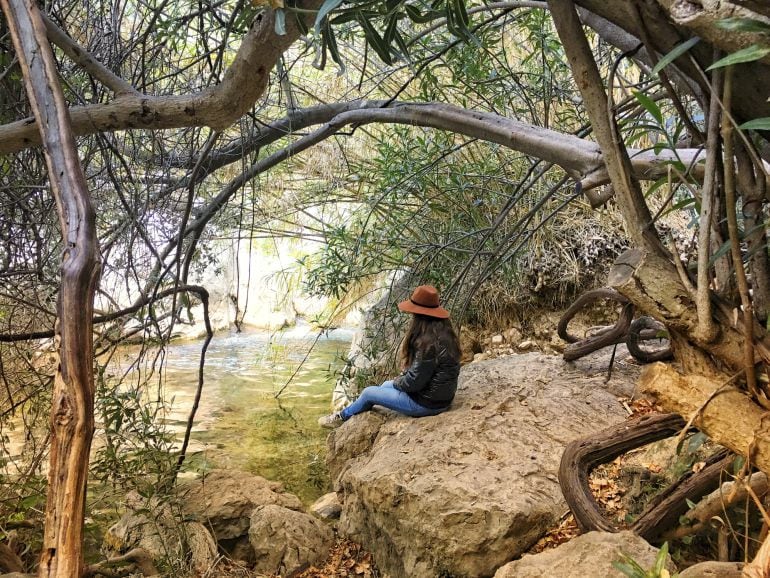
(87, 61)
(244, 81)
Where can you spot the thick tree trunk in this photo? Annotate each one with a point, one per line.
(725, 413)
(652, 284)
(72, 419)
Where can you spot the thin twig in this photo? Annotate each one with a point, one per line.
(732, 227)
(706, 328)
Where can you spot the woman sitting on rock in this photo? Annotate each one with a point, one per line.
(430, 356)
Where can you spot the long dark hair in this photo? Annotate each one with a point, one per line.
(429, 336)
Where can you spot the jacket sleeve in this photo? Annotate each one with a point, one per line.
(417, 377)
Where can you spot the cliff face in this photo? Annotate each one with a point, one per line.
(463, 493)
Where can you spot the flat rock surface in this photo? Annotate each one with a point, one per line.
(464, 492)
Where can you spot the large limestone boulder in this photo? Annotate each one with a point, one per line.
(285, 541)
(464, 492)
(591, 554)
(225, 499)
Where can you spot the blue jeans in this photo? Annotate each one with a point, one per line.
(388, 396)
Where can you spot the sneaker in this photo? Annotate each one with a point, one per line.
(331, 421)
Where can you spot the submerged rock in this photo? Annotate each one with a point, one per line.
(591, 554)
(464, 492)
(285, 541)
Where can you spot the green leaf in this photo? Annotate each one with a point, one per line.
(280, 22)
(756, 124)
(744, 25)
(391, 29)
(750, 54)
(696, 441)
(414, 13)
(675, 53)
(650, 106)
(330, 42)
(656, 185)
(402, 45)
(343, 17)
(690, 503)
(660, 561)
(374, 39)
(326, 7)
(627, 569)
(462, 14)
(682, 204)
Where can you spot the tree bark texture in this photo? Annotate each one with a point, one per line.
(728, 417)
(586, 74)
(669, 22)
(582, 456)
(652, 284)
(72, 419)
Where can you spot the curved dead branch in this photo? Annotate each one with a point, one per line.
(577, 347)
(582, 456)
(585, 299)
(633, 333)
(643, 329)
(664, 511)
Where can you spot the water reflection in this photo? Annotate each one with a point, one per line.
(240, 423)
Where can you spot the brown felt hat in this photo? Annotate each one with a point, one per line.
(424, 301)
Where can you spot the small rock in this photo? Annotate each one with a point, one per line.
(713, 570)
(512, 335)
(480, 357)
(497, 340)
(591, 554)
(285, 541)
(527, 345)
(327, 506)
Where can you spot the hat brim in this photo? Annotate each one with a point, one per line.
(410, 307)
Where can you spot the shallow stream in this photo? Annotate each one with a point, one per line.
(240, 423)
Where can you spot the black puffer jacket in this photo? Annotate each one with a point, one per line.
(430, 381)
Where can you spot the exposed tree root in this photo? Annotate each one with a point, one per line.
(582, 456)
(624, 330)
(643, 329)
(132, 561)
